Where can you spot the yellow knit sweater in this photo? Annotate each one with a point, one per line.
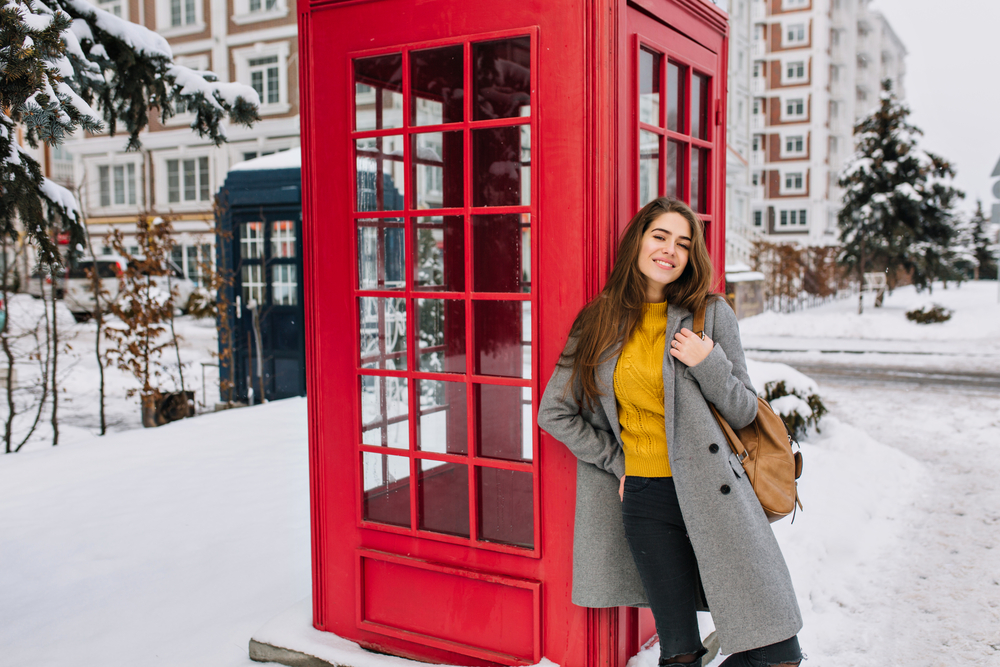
(639, 392)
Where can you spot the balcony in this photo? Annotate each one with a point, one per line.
(759, 48)
(757, 192)
(757, 122)
(757, 85)
(757, 158)
(758, 11)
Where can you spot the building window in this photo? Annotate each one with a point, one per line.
(795, 34)
(796, 107)
(794, 4)
(791, 218)
(250, 11)
(757, 178)
(862, 96)
(796, 70)
(265, 5)
(862, 62)
(264, 68)
(117, 7)
(758, 218)
(793, 180)
(284, 285)
(117, 184)
(794, 144)
(264, 78)
(756, 107)
(187, 180)
(182, 13)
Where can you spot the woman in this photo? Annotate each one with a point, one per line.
(655, 476)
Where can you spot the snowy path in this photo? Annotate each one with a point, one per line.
(934, 598)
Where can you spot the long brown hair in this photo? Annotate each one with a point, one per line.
(611, 318)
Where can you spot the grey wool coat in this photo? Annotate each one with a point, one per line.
(744, 576)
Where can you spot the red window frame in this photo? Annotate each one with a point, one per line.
(691, 66)
(409, 213)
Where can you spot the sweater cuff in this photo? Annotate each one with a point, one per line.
(715, 365)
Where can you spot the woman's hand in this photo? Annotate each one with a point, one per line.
(621, 489)
(689, 348)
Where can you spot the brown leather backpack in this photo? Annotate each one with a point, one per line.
(765, 450)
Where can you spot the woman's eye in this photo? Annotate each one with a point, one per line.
(685, 247)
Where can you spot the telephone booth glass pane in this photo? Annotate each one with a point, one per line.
(675, 96)
(649, 87)
(649, 166)
(501, 162)
(501, 348)
(443, 417)
(674, 171)
(381, 263)
(386, 488)
(384, 412)
(699, 106)
(378, 92)
(441, 338)
(506, 506)
(498, 435)
(440, 253)
(381, 182)
(699, 178)
(443, 496)
(437, 159)
(436, 86)
(383, 332)
(501, 78)
(499, 253)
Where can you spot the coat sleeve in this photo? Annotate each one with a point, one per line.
(582, 431)
(723, 375)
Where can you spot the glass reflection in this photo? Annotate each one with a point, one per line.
(443, 493)
(699, 106)
(283, 239)
(501, 166)
(501, 259)
(383, 332)
(381, 253)
(502, 78)
(649, 87)
(443, 420)
(649, 166)
(380, 182)
(502, 346)
(441, 335)
(384, 412)
(252, 240)
(506, 507)
(675, 96)
(436, 86)
(440, 248)
(386, 495)
(437, 169)
(673, 168)
(378, 92)
(503, 422)
(699, 179)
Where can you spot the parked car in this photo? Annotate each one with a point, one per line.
(41, 279)
(79, 293)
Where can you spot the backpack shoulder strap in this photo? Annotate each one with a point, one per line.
(699, 319)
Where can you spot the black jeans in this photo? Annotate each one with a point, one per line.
(666, 562)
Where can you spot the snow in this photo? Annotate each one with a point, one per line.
(744, 277)
(762, 372)
(175, 546)
(290, 159)
(138, 37)
(60, 196)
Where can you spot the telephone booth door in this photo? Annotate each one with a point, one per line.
(466, 169)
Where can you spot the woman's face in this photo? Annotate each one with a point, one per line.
(664, 253)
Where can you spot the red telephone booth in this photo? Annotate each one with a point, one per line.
(467, 168)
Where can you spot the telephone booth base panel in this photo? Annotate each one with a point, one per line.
(466, 170)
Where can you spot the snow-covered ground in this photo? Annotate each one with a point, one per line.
(174, 545)
(834, 333)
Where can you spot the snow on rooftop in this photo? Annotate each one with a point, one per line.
(290, 159)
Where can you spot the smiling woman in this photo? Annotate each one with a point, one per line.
(681, 497)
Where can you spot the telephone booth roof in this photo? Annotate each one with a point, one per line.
(466, 170)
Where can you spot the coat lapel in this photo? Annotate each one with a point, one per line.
(606, 383)
(677, 318)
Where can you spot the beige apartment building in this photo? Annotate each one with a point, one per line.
(177, 173)
(817, 67)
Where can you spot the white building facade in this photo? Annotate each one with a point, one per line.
(177, 173)
(816, 68)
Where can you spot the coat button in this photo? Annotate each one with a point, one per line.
(714, 448)
(724, 488)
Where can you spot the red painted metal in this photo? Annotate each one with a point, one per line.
(584, 180)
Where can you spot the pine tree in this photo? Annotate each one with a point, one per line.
(68, 65)
(984, 247)
(898, 201)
